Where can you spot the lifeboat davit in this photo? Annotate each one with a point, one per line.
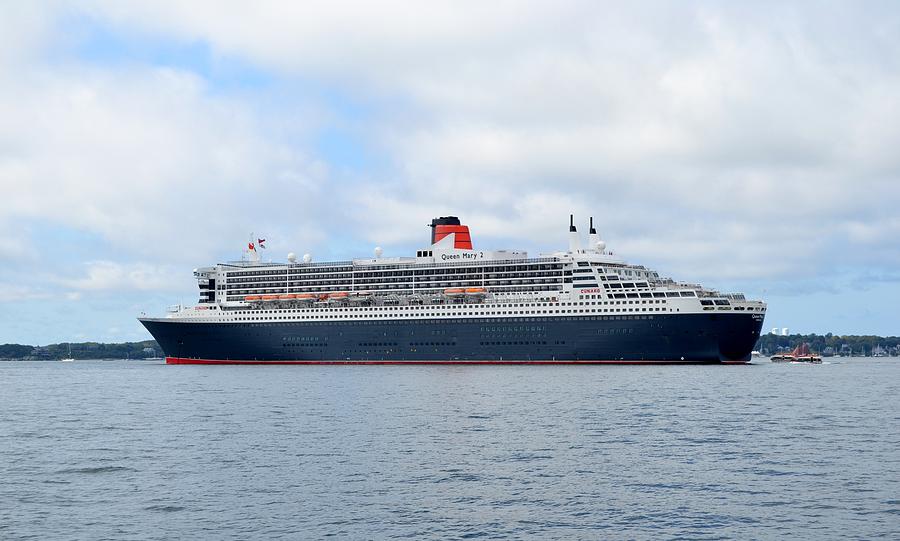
(252, 298)
(454, 292)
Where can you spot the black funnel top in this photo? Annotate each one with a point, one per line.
(572, 223)
(443, 220)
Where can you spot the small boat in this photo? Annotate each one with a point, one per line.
(454, 292)
(801, 354)
(68, 359)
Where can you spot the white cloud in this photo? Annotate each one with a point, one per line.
(13, 292)
(112, 276)
(143, 157)
(739, 140)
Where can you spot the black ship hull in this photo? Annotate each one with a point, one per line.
(675, 338)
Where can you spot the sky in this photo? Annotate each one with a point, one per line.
(750, 146)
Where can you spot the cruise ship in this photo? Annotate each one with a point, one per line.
(454, 304)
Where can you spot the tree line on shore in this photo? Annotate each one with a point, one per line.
(81, 350)
(768, 344)
(830, 344)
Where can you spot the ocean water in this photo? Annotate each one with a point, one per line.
(141, 450)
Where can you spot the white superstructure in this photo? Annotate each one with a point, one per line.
(449, 279)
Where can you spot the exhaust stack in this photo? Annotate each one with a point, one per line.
(574, 240)
(450, 225)
(593, 238)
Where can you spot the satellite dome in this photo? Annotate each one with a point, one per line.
(601, 246)
(292, 257)
(307, 258)
(378, 251)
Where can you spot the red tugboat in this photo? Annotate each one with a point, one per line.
(801, 354)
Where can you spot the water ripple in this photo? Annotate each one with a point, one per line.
(143, 451)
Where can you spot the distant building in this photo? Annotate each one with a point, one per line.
(784, 331)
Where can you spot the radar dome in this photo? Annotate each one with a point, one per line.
(601, 246)
(378, 251)
(292, 257)
(307, 258)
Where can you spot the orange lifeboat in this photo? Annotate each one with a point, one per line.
(270, 297)
(338, 295)
(475, 291)
(305, 296)
(287, 297)
(454, 291)
(252, 298)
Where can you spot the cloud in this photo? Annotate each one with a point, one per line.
(725, 141)
(144, 157)
(111, 276)
(18, 292)
(680, 114)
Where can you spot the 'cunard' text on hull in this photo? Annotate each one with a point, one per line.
(454, 304)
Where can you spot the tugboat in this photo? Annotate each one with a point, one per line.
(801, 354)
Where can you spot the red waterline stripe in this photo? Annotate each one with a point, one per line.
(182, 360)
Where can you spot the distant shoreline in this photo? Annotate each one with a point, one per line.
(830, 345)
(845, 345)
(80, 350)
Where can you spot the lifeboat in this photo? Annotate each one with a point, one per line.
(475, 291)
(454, 291)
(266, 298)
(287, 297)
(305, 296)
(337, 296)
(252, 298)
